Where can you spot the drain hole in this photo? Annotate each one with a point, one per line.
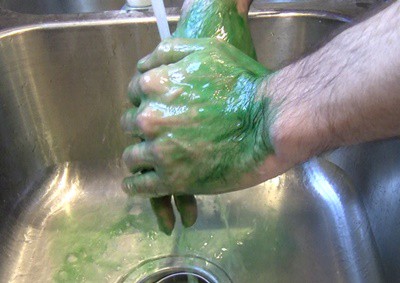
(176, 269)
(183, 277)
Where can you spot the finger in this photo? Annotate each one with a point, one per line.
(144, 184)
(128, 123)
(135, 92)
(154, 82)
(187, 207)
(156, 118)
(138, 157)
(172, 50)
(164, 212)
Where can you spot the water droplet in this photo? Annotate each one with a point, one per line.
(239, 243)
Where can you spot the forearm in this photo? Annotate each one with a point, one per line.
(346, 92)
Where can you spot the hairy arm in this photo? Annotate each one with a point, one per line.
(218, 121)
(345, 93)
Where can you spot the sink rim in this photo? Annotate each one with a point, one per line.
(348, 9)
(32, 23)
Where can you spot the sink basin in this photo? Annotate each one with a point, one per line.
(64, 217)
(42, 7)
(45, 7)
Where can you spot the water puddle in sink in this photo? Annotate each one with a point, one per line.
(81, 227)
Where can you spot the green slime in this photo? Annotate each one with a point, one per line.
(205, 19)
(215, 129)
(101, 242)
(218, 19)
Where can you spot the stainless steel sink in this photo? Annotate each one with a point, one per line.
(64, 217)
(45, 7)
(42, 7)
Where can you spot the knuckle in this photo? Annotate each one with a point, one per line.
(146, 122)
(143, 123)
(145, 82)
(154, 81)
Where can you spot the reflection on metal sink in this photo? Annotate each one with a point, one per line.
(64, 217)
(42, 7)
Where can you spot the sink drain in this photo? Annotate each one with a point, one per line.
(184, 277)
(176, 269)
(178, 275)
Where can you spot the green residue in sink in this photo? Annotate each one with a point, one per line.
(97, 244)
(104, 241)
(248, 246)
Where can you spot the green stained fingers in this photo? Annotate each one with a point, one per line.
(218, 19)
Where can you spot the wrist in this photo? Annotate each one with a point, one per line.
(297, 127)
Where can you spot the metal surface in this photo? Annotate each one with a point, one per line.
(167, 267)
(183, 278)
(65, 219)
(43, 7)
(70, 6)
(375, 171)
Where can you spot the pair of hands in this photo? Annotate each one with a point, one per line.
(215, 121)
(205, 125)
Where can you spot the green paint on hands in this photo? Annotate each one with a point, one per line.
(203, 122)
(218, 19)
(228, 125)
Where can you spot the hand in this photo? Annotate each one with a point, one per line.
(223, 19)
(206, 130)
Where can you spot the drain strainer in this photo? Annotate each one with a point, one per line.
(184, 277)
(177, 269)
